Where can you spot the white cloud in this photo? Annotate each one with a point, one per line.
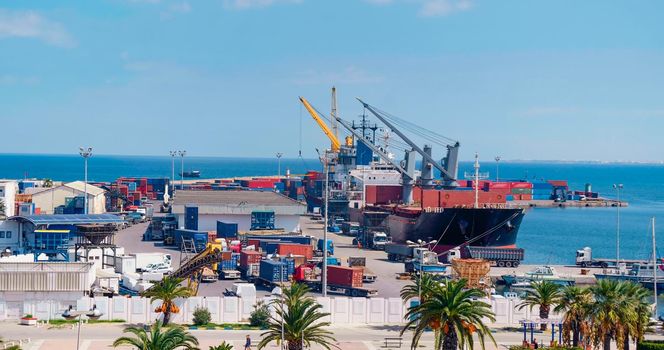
(349, 75)
(248, 4)
(174, 9)
(431, 8)
(29, 24)
(12, 80)
(434, 8)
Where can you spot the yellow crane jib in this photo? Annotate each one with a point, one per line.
(336, 145)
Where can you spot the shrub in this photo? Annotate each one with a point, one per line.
(201, 316)
(650, 345)
(260, 316)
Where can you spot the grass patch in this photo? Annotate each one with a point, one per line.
(226, 326)
(63, 322)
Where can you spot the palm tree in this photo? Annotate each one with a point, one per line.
(423, 287)
(574, 302)
(167, 291)
(455, 311)
(159, 338)
(300, 316)
(223, 346)
(610, 314)
(544, 294)
(2, 208)
(637, 297)
(48, 183)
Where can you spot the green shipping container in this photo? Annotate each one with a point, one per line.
(522, 191)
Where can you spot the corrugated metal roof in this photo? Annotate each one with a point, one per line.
(46, 277)
(70, 219)
(80, 185)
(240, 198)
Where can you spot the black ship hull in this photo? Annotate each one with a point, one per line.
(452, 227)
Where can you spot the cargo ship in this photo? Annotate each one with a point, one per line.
(193, 173)
(367, 185)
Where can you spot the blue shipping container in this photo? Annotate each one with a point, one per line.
(290, 239)
(191, 217)
(200, 238)
(273, 271)
(509, 197)
(226, 229)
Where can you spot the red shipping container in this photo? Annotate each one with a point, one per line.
(498, 185)
(285, 249)
(521, 185)
(344, 276)
(558, 183)
(255, 242)
(526, 197)
(226, 256)
(248, 257)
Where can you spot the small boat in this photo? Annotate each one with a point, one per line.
(193, 173)
(539, 273)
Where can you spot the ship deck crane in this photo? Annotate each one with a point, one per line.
(450, 176)
(335, 144)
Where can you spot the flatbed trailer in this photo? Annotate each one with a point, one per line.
(343, 290)
(230, 274)
(259, 281)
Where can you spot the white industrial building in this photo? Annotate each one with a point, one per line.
(236, 207)
(8, 191)
(25, 283)
(47, 199)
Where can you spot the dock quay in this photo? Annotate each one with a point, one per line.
(596, 203)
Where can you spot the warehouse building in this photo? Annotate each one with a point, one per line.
(208, 207)
(25, 283)
(68, 196)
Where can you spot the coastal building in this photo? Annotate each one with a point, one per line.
(8, 191)
(9, 235)
(237, 207)
(69, 195)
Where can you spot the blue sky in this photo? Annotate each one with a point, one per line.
(566, 80)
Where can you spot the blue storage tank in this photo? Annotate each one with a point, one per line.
(273, 271)
(226, 229)
(191, 217)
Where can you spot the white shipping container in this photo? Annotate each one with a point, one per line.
(125, 264)
(144, 259)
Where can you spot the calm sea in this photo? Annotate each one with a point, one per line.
(548, 235)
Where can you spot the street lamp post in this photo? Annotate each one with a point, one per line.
(279, 155)
(173, 154)
(327, 200)
(618, 188)
(70, 314)
(182, 154)
(85, 153)
(497, 161)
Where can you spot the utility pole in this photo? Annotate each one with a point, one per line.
(497, 161)
(327, 199)
(182, 154)
(173, 154)
(279, 155)
(85, 153)
(655, 264)
(618, 188)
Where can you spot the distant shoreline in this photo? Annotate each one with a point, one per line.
(514, 161)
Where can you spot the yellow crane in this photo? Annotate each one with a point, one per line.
(335, 144)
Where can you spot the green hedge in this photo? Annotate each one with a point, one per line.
(650, 345)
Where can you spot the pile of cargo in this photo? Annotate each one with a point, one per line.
(133, 191)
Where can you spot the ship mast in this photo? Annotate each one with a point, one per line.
(335, 128)
(655, 265)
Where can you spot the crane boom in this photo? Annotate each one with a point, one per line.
(336, 145)
(412, 144)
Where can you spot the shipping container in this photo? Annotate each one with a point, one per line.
(558, 183)
(226, 229)
(248, 257)
(273, 271)
(200, 238)
(344, 276)
(285, 249)
(191, 217)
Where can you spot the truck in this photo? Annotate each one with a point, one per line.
(145, 259)
(424, 260)
(350, 228)
(343, 280)
(399, 251)
(319, 247)
(376, 240)
(359, 261)
(501, 257)
(584, 258)
(230, 274)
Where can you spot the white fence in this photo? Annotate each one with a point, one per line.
(343, 310)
